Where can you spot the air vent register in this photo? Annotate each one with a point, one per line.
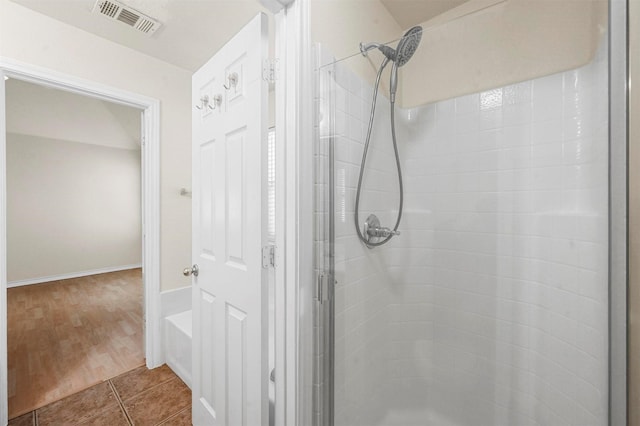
(117, 11)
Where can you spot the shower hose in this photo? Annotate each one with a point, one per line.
(364, 159)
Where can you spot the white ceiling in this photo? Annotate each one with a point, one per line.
(194, 30)
(55, 114)
(413, 12)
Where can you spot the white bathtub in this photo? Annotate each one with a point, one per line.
(178, 344)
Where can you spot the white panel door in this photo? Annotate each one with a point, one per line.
(230, 315)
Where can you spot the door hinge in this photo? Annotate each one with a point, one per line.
(323, 289)
(269, 256)
(270, 70)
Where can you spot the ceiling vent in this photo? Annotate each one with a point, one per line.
(125, 14)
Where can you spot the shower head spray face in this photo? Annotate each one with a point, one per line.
(408, 45)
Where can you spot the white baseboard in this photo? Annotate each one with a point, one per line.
(40, 280)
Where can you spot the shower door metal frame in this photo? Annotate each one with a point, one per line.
(618, 211)
(618, 229)
(324, 250)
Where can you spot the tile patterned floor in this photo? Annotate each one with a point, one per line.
(138, 397)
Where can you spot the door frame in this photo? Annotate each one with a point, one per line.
(150, 176)
(294, 283)
(294, 214)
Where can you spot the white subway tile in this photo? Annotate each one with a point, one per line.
(491, 119)
(547, 109)
(466, 123)
(517, 114)
(517, 93)
(491, 99)
(547, 87)
(545, 155)
(547, 132)
(491, 139)
(467, 104)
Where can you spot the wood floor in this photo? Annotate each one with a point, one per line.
(66, 336)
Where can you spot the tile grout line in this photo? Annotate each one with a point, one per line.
(162, 422)
(120, 403)
(145, 391)
(142, 392)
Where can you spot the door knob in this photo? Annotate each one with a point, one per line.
(191, 271)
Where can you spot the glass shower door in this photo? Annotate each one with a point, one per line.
(491, 306)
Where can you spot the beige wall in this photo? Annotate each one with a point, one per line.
(71, 207)
(513, 41)
(35, 39)
(341, 25)
(634, 215)
(55, 114)
(480, 45)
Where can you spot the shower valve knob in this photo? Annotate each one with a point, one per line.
(382, 232)
(372, 229)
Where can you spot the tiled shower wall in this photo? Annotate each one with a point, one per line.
(506, 236)
(491, 307)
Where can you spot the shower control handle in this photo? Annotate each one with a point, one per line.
(373, 230)
(382, 232)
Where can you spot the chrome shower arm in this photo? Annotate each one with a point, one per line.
(387, 51)
(365, 47)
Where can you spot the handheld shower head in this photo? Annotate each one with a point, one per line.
(407, 46)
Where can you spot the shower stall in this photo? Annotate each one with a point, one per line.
(488, 303)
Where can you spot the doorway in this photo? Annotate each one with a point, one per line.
(149, 200)
(74, 243)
